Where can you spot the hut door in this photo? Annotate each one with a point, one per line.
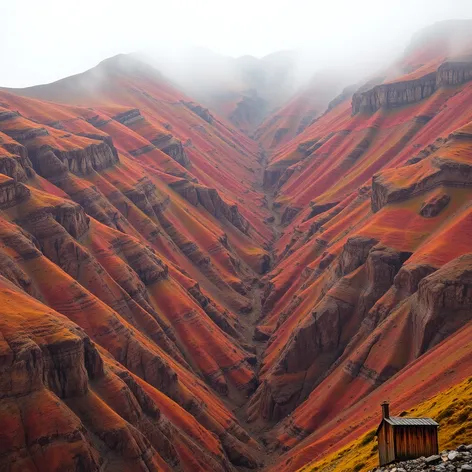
(390, 431)
(385, 444)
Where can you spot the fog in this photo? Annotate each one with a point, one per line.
(42, 41)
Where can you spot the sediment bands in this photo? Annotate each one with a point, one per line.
(176, 295)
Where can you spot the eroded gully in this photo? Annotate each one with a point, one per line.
(250, 321)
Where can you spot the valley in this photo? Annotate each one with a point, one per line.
(185, 290)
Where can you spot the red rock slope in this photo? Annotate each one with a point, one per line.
(127, 245)
(371, 295)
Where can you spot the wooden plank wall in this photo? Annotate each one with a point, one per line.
(415, 441)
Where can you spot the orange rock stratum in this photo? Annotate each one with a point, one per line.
(178, 296)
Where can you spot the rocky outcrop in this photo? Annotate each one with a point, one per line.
(12, 193)
(142, 150)
(354, 254)
(403, 92)
(212, 311)
(72, 218)
(26, 134)
(50, 221)
(317, 209)
(146, 197)
(279, 135)
(273, 173)
(404, 285)
(454, 72)
(289, 214)
(440, 172)
(434, 205)
(443, 303)
(128, 117)
(111, 211)
(148, 267)
(173, 148)
(63, 365)
(203, 113)
(48, 156)
(306, 121)
(52, 370)
(16, 167)
(15, 163)
(310, 146)
(409, 277)
(394, 94)
(277, 174)
(6, 115)
(12, 271)
(49, 162)
(211, 200)
(427, 151)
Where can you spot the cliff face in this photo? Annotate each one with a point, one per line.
(394, 94)
(14, 161)
(443, 303)
(438, 169)
(12, 192)
(454, 72)
(53, 163)
(406, 91)
(211, 200)
(172, 147)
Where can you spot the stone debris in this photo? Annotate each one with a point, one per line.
(458, 460)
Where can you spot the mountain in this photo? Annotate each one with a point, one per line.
(180, 296)
(128, 244)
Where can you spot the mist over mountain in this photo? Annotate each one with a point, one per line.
(247, 89)
(227, 235)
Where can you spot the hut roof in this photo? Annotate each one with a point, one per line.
(401, 421)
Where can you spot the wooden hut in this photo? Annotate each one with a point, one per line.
(401, 438)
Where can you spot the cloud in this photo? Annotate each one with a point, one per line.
(42, 41)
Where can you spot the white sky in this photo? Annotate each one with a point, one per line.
(44, 40)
